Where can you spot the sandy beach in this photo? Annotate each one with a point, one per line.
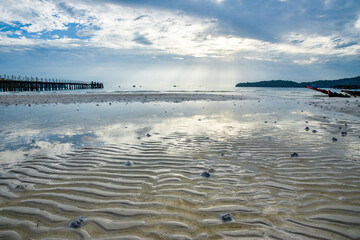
(179, 120)
(179, 166)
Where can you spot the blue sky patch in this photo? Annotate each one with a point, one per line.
(73, 30)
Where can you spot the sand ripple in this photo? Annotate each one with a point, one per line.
(162, 195)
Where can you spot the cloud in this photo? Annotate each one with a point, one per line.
(86, 31)
(71, 11)
(306, 61)
(37, 16)
(357, 24)
(219, 1)
(140, 17)
(141, 39)
(167, 29)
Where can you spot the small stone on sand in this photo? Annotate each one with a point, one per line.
(20, 186)
(128, 163)
(78, 222)
(205, 174)
(226, 217)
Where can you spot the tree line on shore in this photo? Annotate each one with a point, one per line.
(353, 83)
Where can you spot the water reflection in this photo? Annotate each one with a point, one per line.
(60, 162)
(30, 129)
(27, 129)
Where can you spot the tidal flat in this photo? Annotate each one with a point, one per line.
(110, 169)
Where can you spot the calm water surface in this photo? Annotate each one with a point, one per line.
(134, 170)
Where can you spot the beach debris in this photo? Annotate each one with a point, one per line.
(343, 134)
(226, 217)
(314, 131)
(20, 187)
(294, 154)
(211, 170)
(128, 163)
(148, 135)
(205, 174)
(78, 222)
(265, 122)
(307, 128)
(334, 139)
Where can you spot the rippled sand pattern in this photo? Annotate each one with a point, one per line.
(269, 194)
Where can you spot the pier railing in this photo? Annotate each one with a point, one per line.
(13, 83)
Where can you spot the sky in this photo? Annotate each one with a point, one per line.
(195, 44)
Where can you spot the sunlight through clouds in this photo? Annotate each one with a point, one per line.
(30, 24)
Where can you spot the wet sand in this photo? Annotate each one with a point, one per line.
(145, 180)
(113, 97)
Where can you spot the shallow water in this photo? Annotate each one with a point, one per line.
(59, 162)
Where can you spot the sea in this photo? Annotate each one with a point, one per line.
(283, 163)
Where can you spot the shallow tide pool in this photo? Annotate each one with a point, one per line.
(135, 170)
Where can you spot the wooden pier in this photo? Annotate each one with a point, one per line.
(11, 83)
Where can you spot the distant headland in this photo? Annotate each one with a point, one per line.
(348, 83)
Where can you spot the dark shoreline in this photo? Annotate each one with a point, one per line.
(346, 83)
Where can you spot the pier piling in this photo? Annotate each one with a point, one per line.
(13, 83)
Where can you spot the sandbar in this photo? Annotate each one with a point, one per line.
(13, 99)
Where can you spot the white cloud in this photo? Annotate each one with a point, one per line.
(306, 61)
(332, 45)
(155, 32)
(219, 1)
(357, 24)
(39, 15)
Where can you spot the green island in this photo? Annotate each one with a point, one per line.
(345, 83)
